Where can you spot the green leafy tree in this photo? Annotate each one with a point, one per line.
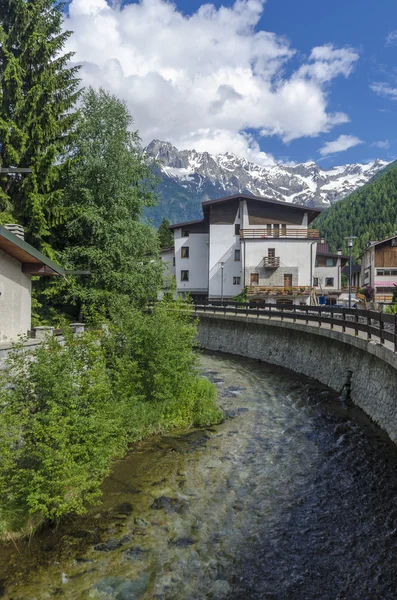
(38, 91)
(107, 188)
(166, 237)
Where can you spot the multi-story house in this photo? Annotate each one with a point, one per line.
(328, 273)
(247, 241)
(379, 268)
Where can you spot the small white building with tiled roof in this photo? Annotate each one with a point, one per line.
(18, 262)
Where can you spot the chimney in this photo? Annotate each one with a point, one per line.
(16, 230)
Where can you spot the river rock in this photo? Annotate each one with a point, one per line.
(120, 588)
(182, 542)
(170, 504)
(124, 509)
(108, 546)
(135, 553)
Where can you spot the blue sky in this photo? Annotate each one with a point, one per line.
(275, 80)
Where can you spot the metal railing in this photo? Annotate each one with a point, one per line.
(380, 325)
(288, 232)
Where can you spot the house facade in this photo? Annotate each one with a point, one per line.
(328, 272)
(246, 241)
(18, 262)
(379, 268)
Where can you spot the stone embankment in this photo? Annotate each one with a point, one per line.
(365, 370)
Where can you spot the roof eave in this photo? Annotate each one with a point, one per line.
(22, 245)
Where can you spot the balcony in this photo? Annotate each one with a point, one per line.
(271, 262)
(259, 291)
(283, 232)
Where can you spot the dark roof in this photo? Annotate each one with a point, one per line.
(167, 249)
(262, 199)
(177, 225)
(355, 269)
(392, 237)
(27, 254)
(313, 212)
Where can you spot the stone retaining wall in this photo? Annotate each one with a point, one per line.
(335, 359)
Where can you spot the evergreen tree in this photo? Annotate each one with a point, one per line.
(166, 237)
(108, 186)
(38, 91)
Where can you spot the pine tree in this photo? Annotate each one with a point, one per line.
(107, 188)
(38, 91)
(166, 237)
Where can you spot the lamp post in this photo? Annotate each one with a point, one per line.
(222, 281)
(350, 244)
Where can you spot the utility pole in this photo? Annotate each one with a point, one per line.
(350, 244)
(222, 281)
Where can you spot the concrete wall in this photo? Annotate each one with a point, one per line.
(196, 264)
(328, 356)
(223, 243)
(15, 299)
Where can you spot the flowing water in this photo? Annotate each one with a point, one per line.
(293, 497)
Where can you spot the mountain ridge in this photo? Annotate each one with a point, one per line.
(187, 177)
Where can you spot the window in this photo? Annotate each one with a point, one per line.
(379, 272)
(271, 253)
(185, 233)
(329, 262)
(394, 272)
(184, 275)
(316, 263)
(283, 230)
(366, 275)
(315, 281)
(276, 230)
(254, 279)
(185, 252)
(237, 254)
(236, 280)
(237, 229)
(386, 272)
(173, 261)
(329, 282)
(287, 280)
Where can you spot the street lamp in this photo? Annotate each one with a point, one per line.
(222, 281)
(350, 244)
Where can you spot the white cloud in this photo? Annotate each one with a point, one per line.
(344, 142)
(391, 38)
(384, 145)
(384, 89)
(207, 78)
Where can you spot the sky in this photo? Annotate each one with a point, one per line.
(274, 81)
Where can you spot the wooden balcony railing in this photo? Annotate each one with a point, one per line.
(288, 232)
(271, 262)
(257, 290)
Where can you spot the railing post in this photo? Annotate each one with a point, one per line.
(307, 315)
(369, 322)
(344, 320)
(381, 329)
(395, 329)
(319, 316)
(356, 323)
(294, 313)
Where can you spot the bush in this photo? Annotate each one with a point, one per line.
(66, 411)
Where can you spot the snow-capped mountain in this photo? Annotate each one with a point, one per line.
(188, 177)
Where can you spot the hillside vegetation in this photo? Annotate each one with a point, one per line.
(370, 213)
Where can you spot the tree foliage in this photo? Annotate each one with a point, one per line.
(107, 188)
(38, 92)
(166, 237)
(370, 213)
(70, 409)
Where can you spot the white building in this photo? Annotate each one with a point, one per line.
(328, 273)
(246, 241)
(18, 262)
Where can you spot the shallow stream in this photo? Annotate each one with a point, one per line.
(293, 497)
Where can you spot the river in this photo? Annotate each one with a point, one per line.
(293, 497)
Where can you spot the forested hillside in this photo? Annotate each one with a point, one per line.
(370, 213)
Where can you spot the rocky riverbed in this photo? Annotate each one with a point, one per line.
(292, 497)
